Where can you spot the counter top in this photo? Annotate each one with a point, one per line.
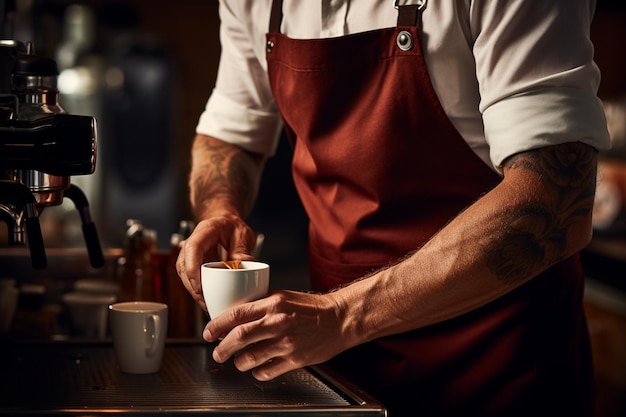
(82, 378)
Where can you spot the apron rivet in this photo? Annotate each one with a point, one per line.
(404, 40)
(270, 46)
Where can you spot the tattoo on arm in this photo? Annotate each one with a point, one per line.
(221, 170)
(539, 233)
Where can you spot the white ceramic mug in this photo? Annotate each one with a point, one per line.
(224, 288)
(138, 329)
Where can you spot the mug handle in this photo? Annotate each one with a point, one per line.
(153, 337)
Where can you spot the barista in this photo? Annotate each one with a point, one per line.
(445, 153)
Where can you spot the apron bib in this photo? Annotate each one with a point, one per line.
(380, 169)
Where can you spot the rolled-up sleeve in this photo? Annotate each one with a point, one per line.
(542, 118)
(253, 130)
(537, 78)
(241, 108)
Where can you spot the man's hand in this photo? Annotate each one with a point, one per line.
(223, 185)
(282, 332)
(219, 238)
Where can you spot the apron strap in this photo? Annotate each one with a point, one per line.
(276, 16)
(409, 14)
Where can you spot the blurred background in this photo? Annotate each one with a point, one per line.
(145, 68)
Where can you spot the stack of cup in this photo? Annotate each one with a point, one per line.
(88, 305)
(9, 295)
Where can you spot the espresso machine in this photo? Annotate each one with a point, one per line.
(41, 147)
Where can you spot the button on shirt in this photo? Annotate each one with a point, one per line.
(511, 75)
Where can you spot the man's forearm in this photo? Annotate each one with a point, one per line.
(539, 215)
(224, 178)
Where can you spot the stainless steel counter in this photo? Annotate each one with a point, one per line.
(82, 378)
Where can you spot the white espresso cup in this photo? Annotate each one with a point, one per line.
(138, 330)
(224, 288)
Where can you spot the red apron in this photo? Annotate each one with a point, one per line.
(379, 169)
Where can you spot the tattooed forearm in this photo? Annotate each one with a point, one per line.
(564, 178)
(223, 173)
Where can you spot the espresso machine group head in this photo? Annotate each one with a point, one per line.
(41, 147)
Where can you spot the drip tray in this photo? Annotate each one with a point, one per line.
(43, 378)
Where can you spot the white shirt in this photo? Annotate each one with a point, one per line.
(512, 75)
